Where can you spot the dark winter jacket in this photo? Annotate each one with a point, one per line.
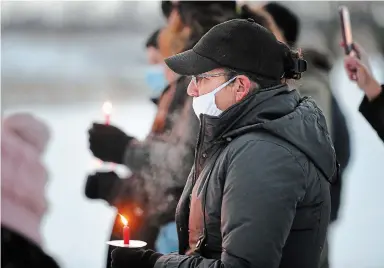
(373, 111)
(258, 194)
(19, 252)
(316, 84)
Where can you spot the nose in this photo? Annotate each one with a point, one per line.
(192, 90)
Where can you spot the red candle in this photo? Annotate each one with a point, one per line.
(107, 109)
(107, 119)
(126, 233)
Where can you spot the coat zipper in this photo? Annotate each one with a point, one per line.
(198, 145)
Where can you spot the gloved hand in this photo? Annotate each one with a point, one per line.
(108, 143)
(134, 258)
(101, 184)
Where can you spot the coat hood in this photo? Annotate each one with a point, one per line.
(282, 113)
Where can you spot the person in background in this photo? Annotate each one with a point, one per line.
(152, 49)
(166, 8)
(128, 195)
(262, 17)
(23, 203)
(286, 20)
(315, 83)
(240, 208)
(155, 73)
(158, 76)
(372, 106)
(162, 162)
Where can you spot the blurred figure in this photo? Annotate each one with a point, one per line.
(263, 18)
(23, 203)
(315, 83)
(372, 106)
(153, 54)
(166, 8)
(128, 195)
(286, 20)
(155, 74)
(162, 162)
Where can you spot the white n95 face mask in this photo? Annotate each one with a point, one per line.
(205, 104)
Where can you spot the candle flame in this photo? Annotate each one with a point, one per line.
(107, 108)
(124, 220)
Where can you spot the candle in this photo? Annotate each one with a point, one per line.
(107, 110)
(125, 230)
(126, 235)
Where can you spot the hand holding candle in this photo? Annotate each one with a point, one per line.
(126, 242)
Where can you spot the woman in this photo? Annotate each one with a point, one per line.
(23, 203)
(128, 195)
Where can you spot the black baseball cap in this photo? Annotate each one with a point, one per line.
(238, 44)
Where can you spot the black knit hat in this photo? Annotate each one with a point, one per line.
(238, 44)
(286, 20)
(152, 40)
(166, 8)
(225, 5)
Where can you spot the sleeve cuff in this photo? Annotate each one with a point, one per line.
(154, 257)
(170, 260)
(373, 110)
(370, 108)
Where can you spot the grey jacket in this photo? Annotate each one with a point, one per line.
(258, 194)
(163, 161)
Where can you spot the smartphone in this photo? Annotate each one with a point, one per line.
(346, 29)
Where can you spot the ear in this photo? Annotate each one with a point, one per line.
(243, 86)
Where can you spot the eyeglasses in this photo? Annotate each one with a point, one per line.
(197, 78)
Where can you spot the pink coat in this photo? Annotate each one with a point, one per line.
(23, 175)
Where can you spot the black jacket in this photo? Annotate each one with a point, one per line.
(373, 111)
(341, 140)
(19, 252)
(258, 195)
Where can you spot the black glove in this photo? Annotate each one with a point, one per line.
(134, 258)
(108, 143)
(101, 184)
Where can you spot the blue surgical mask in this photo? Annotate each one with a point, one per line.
(155, 78)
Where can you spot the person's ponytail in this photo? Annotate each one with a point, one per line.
(294, 64)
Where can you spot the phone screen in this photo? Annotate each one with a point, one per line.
(346, 29)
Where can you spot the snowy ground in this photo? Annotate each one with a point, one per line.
(76, 229)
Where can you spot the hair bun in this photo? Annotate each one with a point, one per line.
(294, 64)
